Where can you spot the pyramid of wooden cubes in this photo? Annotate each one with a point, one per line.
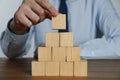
(59, 57)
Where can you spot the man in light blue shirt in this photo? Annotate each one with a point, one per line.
(94, 23)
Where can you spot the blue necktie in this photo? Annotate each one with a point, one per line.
(63, 10)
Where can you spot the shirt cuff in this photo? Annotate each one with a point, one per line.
(15, 42)
(15, 37)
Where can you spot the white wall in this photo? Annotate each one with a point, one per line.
(8, 8)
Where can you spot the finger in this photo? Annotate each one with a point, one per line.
(34, 18)
(46, 5)
(45, 15)
(48, 15)
(21, 19)
(37, 9)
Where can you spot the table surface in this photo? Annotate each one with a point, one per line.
(20, 69)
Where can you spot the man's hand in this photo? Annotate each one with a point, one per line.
(30, 13)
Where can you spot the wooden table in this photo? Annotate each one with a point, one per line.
(20, 69)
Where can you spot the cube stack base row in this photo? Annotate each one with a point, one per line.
(76, 69)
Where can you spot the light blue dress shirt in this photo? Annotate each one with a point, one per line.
(94, 23)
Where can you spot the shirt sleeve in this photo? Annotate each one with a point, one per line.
(14, 46)
(108, 22)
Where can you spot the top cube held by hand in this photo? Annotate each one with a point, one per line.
(59, 22)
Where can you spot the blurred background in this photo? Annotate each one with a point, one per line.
(8, 8)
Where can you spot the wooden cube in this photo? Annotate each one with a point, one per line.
(73, 53)
(52, 40)
(80, 68)
(59, 22)
(52, 68)
(58, 54)
(66, 69)
(69, 53)
(44, 54)
(66, 39)
(38, 68)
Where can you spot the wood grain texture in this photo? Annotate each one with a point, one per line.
(20, 69)
(80, 68)
(66, 39)
(44, 54)
(104, 69)
(58, 54)
(52, 68)
(73, 53)
(38, 68)
(59, 22)
(66, 69)
(52, 39)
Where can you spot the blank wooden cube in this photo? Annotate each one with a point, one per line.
(66, 69)
(52, 68)
(66, 39)
(59, 22)
(73, 54)
(52, 39)
(44, 54)
(58, 54)
(80, 68)
(38, 68)
(69, 53)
